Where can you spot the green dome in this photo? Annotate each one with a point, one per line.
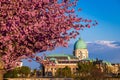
(80, 44)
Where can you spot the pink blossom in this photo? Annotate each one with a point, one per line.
(34, 26)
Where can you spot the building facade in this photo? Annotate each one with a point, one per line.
(80, 54)
(61, 60)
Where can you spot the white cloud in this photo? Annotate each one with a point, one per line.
(111, 44)
(89, 42)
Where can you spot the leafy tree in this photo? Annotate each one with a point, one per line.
(84, 68)
(31, 26)
(12, 73)
(88, 70)
(67, 71)
(64, 72)
(58, 73)
(24, 71)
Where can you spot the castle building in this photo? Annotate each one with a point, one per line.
(61, 60)
(80, 49)
(80, 54)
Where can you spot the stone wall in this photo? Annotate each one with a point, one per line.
(39, 79)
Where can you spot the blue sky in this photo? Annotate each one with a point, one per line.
(103, 40)
(107, 14)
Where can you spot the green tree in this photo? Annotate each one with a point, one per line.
(12, 73)
(24, 71)
(58, 73)
(88, 71)
(84, 68)
(67, 71)
(64, 72)
(28, 27)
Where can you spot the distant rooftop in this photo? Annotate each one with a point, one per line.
(61, 55)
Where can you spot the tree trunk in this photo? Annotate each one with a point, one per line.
(1, 74)
(2, 71)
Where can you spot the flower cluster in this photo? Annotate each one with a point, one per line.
(31, 26)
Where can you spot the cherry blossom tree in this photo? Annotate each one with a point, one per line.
(31, 26)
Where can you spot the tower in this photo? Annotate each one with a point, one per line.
(80, 49)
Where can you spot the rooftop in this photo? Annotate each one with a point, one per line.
(80, 44)
(55, 56)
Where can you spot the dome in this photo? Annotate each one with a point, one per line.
(80, 44)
